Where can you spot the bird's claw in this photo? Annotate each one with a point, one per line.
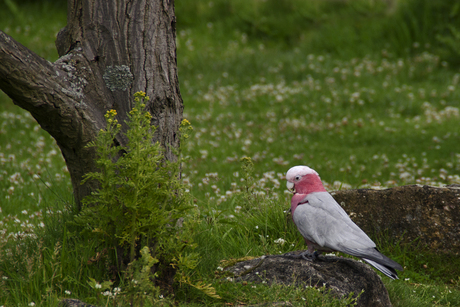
(310, 256)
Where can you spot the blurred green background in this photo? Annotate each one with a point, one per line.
(364, 91)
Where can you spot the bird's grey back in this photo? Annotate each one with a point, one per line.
(323, 220)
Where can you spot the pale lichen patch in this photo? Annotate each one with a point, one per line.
(77, 81)
(118, 77)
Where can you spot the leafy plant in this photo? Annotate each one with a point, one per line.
(140, 198)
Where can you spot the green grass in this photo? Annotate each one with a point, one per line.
(363, 93)
(34, 23)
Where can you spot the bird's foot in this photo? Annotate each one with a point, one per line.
(310, 256)
(305, 255)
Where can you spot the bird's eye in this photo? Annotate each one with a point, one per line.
(297, 178)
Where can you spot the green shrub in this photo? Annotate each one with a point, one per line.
(140, 204)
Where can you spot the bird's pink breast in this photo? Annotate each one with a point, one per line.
(295, 201)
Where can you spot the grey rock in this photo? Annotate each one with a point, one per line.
(70, 302)
(339, 275)
(431, 214)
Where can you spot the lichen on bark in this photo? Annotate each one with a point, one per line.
(118, 77)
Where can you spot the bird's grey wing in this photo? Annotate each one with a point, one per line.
(345, 236)
(322, 220)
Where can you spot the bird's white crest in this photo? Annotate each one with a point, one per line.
(299, 170)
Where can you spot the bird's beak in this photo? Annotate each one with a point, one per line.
(290, 186)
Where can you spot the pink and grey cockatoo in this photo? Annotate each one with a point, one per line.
(326, 226)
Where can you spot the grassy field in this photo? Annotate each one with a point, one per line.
(365, 92)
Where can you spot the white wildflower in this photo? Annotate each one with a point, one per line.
(280, 241)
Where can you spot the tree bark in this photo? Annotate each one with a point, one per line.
(108, 51)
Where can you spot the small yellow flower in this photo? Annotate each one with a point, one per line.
(185, 126)
(139, 94)
(110, 113)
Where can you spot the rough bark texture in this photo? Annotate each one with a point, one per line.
(108, 51)
(430, 214)
(339, 275)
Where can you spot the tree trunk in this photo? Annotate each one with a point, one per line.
(108, 51)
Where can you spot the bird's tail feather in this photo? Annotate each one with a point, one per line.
(373, 254)
(388, 271)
